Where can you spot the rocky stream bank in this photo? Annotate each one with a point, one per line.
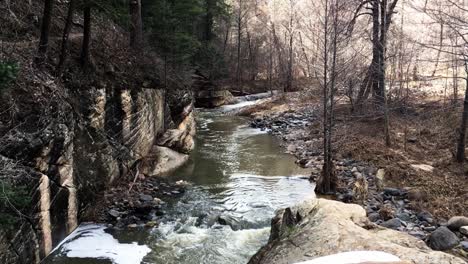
(362, 182)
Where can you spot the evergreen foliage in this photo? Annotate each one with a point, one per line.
(8, 72)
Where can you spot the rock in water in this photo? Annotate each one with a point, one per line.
(456, 222)
(443, 239)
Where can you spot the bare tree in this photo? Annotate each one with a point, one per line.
(291, 31)
(327, 181)
(85, 57)
(45, 31)
(382, 12)
(453, 15)
(136, 24)
(65, 36)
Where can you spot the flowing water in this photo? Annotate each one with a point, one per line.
(240, 177)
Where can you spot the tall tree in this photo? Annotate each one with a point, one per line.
(452, 15)
(289, 75)
(382, 12)
(327, 181)
(210, 6)
(45, 31)
(136, 24)
(240, 23)
(85, 57)
(65, 36)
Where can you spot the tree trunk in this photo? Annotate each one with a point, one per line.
(382, 70)
(239, 32)
(290, 65)
(45, 31)
(377, 50)
(210, 5)
(323, 184)
(379, 32)
(85, 57)
(462, 136)
(136, 25)
(66, 34)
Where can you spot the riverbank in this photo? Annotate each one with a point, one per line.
(217, 208)
(405, 191)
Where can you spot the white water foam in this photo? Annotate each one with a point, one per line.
(91, 241)
(240, 105)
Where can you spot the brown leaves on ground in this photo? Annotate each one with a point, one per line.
(427, 136)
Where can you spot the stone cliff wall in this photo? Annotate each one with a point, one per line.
(104, 136)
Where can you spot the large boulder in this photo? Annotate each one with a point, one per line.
(456, 222)
(162, 161)
(213, 98)
(443, 239)
(322, 227)
(180, 139)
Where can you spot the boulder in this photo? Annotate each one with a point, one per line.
(380, 178)
(374, 217)
(394, 223)
(464, 230)
(162, 161)
(212, 98)
(464, 245)
(426, 216)
(456, 222)
(324, 227)
(443, 239)
(181, 138)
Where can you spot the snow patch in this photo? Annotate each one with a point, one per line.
(91, 241)
(354, 257)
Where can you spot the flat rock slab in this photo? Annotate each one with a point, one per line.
(320, 227)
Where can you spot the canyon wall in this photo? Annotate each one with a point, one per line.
(104, 136)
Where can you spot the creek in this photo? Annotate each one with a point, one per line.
(239, 177)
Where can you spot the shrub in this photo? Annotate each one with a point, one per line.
(12, 200)
(8, 73)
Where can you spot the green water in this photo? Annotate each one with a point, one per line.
(239, 177)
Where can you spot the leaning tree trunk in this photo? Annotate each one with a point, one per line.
(45, 31)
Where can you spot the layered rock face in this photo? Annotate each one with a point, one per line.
(108, 133)
(322, 227)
